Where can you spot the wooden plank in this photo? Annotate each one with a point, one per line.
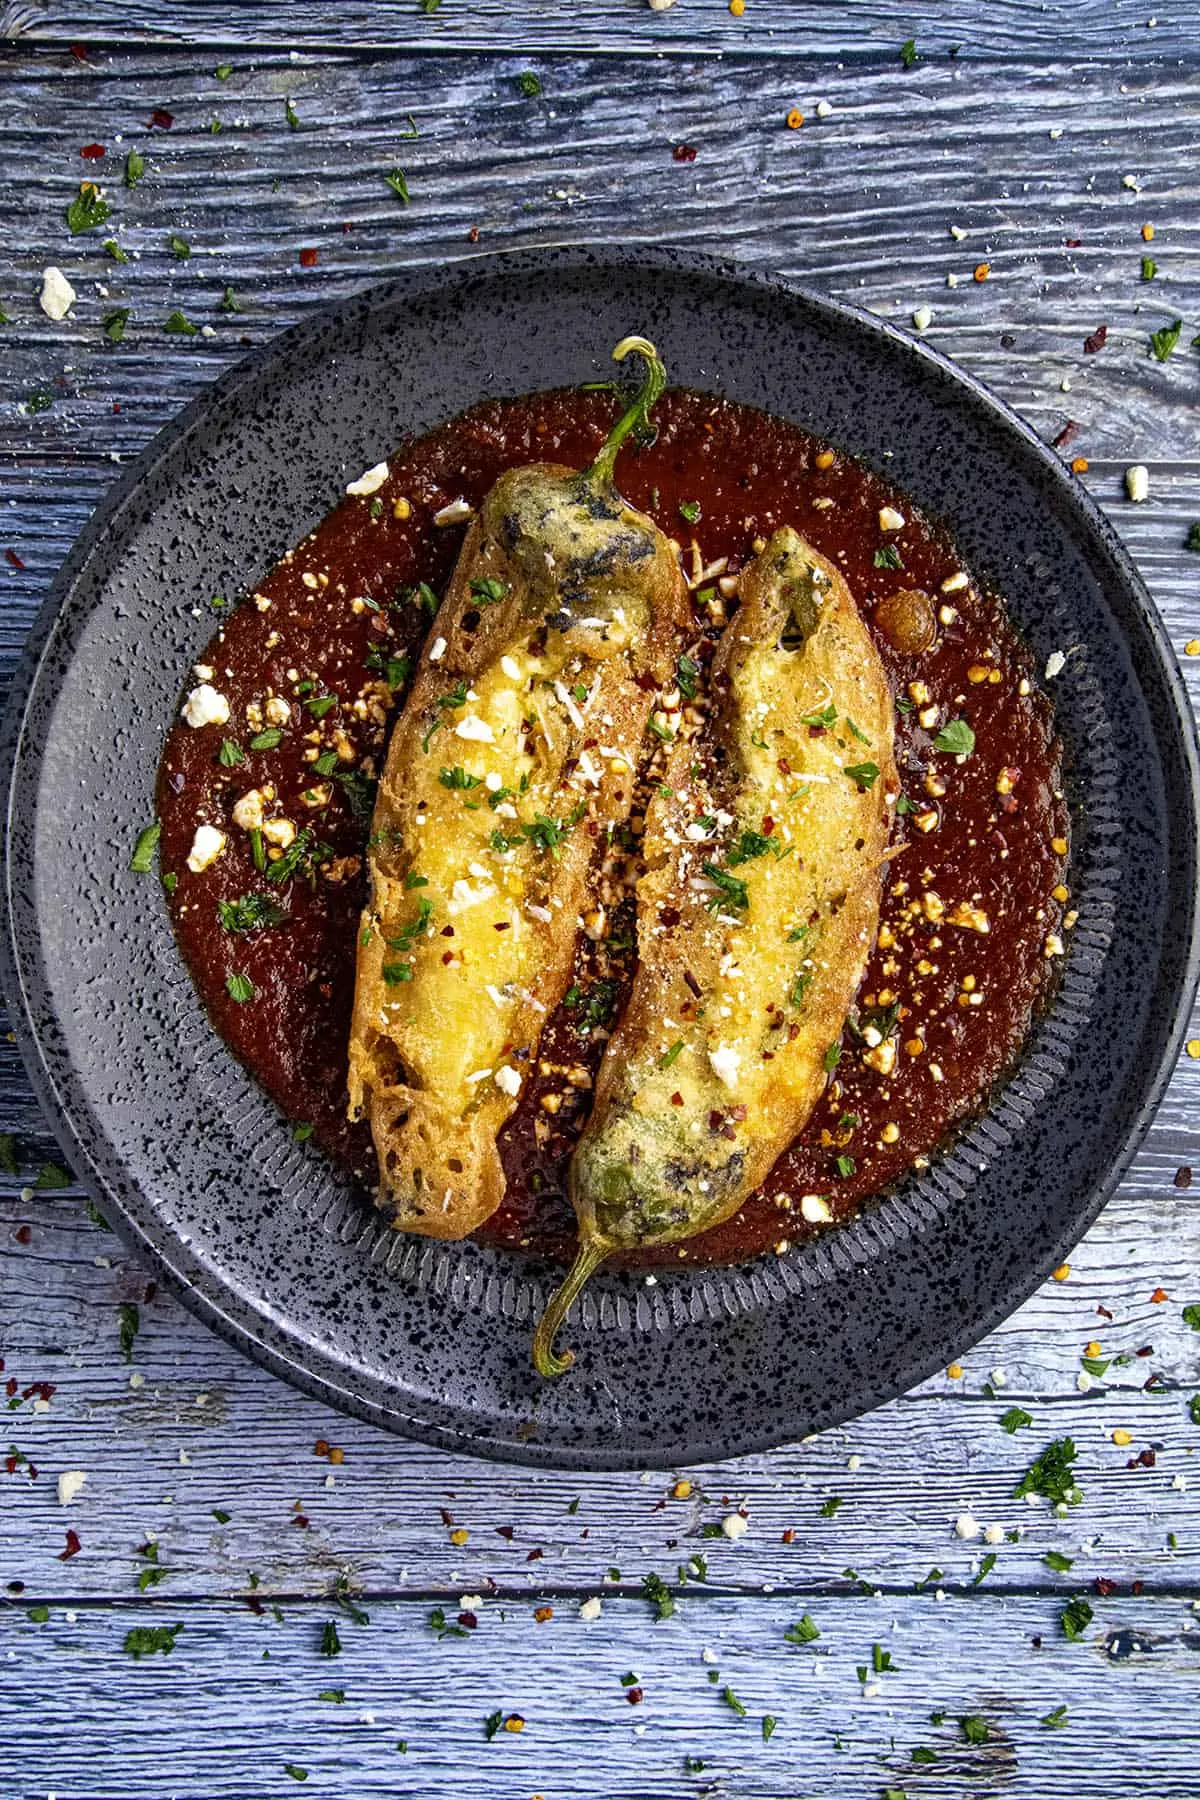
(853, 204)
(238, 1698)
(189, 1426)
(968, 29)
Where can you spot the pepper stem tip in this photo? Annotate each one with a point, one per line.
(546, 1360)
(637, 414)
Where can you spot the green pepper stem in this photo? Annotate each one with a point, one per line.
(637, 414)
(545, 1360)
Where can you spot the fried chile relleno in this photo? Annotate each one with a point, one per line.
(514, 754)
(756, 915)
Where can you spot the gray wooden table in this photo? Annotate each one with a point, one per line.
(1038, 140)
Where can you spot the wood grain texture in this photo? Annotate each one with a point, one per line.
(239, 1697)
(964, 29)
(859, 205)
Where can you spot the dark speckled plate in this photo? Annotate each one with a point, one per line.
(271, 1248)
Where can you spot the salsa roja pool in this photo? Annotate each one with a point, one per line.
(300, 681)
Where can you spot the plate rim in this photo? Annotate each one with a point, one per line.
(259, 363)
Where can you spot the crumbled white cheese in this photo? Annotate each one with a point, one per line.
(993, 1534)
(370, 482)
(454, 514)
(923, 318)
(207, 845)
(890, 519)
(508, 1080)
(1056, 662)
(954, 584)
(966, 1526)
(277, 711)
(203, 671)
(438, 651)
(815, 1209)
(248, 811)
(511, 667)
(57, 296)
(69, 1484)
(475, 730)
(1137, 482)
(823, 109)
(205, 706)
(591, 1609)
(280, 832)
(470, 1602)
(725, 1064)
(735, 1526)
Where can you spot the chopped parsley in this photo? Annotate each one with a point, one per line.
(320, 704)
(142, 860)
(908, 53)
(1075, 1618)
(150, 1640)
(492, 1723)
(1051, 1474)
(768, 1727)
(686, 673)
(1162, 341)
(863, 775)
(404, 940)
(295, 1771)
(129, 1322)
(359, 791)
(251, 912)
(8, 1154)
(331, 1643)
(135, 168)
(230, 754)
(595, 1005)
(270, 739)
(974, 1729)
(888, 557)
(396, 178)
(668, 1057)
(459, 778)
(656, 1591)
(394, 669)
(730, 890)
(113, 324)
(1056, 1720)
(832, 1058)
(444, 1627)
(529, 84)
(1192, 540)
(1015, 1419)
(487, 591)
(223, 71)
(748, 846)
(547, 834)
(804, 1631)
(229, 302)
(1054, 1559)
(690, 510)
(955, 739)
(179, 325)
(114, 250)
(1191, 1316)
(1149, 268)
(291, 115)
(239, 988)
(828, 1508)
(302, 857)
(50, 1177)
(845, 1166)
(732, 1702)
(88, 209)
(986, 1565)
(179, 247)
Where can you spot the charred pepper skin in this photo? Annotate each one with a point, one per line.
(750, 945)
(483, 819)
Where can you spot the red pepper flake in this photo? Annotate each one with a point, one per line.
(1145, 1459)
(24, 1234)
(677, 1098)
(79, 52)
(768, 825)
(38, 1390)
(1146, 1350)
(507, 1532)
(13, 560)
(1136, 1587)
(473, 235)
(535, 1556)
(1096, 341)
(73, 1547)
(163, 119)
(1182, 1178)
(300, 1519)
(309, 259)
(1105, 1587)
(543, 1614)
(684, 152)
(468, 1621)
(1104, 1313)
(93, 152)
(788, 1537)
(10, 1386)
(321, 1448)
(1069, 430)
(1158, 1296)
(635, 1695)
(1073, 243)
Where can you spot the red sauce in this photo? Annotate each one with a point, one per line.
(996, 847)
